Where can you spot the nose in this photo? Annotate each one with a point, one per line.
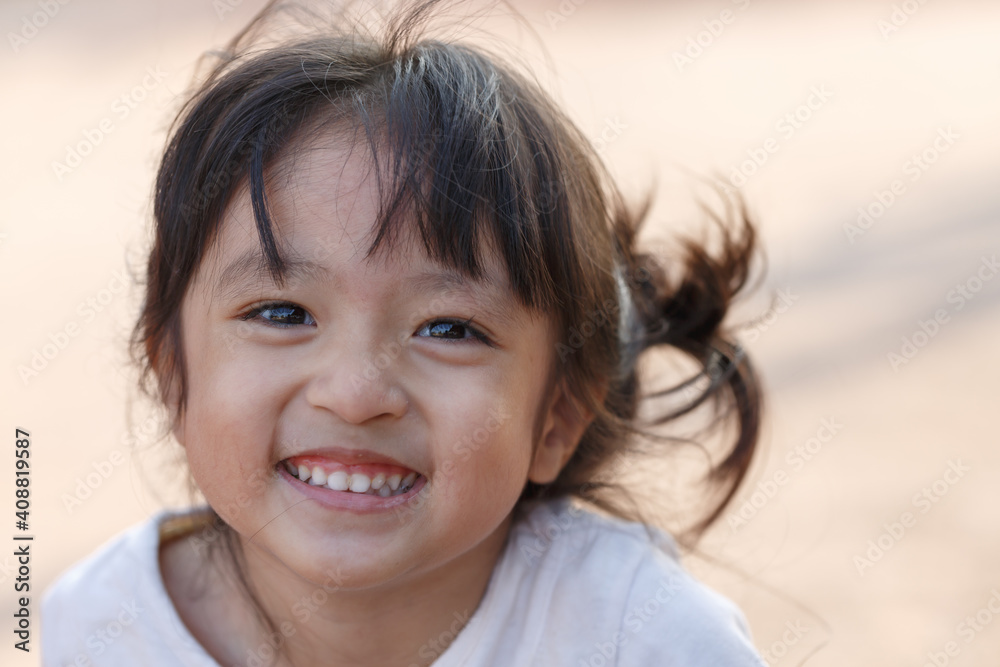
(358, 383)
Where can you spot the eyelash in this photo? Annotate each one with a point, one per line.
(256, 311)
(477, 335)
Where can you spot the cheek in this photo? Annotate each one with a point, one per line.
(227, 456)
(228, 430)
(485, 441)
(233, 391)
(232, 469)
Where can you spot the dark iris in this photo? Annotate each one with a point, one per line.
(447, 330)
(285, 314)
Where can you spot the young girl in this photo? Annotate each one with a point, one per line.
(395, 307)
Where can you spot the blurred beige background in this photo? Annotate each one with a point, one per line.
(815, 109)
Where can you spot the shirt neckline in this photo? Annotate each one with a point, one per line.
(170, 525)
(175, 524)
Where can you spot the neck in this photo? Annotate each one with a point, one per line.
(408, 621)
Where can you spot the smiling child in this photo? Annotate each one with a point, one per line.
(395, 307)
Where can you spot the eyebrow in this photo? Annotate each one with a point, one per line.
(499, 303)
(251, 265)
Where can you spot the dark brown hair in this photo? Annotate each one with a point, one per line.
(467, 147)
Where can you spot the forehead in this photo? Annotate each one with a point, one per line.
(324, 201)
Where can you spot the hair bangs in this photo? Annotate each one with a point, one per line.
(454, 158)
(453, 153)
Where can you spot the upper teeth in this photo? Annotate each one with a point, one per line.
(381, 485)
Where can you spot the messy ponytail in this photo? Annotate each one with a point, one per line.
(683, 311)
(689, 317)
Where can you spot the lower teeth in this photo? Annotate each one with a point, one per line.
(372, 492)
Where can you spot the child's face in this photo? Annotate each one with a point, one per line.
(359, 356)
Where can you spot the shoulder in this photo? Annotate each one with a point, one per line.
(112, 607)
(623, 591)
(118, 565)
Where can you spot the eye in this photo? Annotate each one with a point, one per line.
(280, 314)
(455, 330)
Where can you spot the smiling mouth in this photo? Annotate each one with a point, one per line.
(385, 483)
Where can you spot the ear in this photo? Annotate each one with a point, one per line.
(564, 424)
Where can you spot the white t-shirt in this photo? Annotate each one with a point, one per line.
(572, 588)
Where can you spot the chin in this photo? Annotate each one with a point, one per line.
(325, 560)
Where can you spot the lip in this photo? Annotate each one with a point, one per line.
(350, 457)
(357, 503)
